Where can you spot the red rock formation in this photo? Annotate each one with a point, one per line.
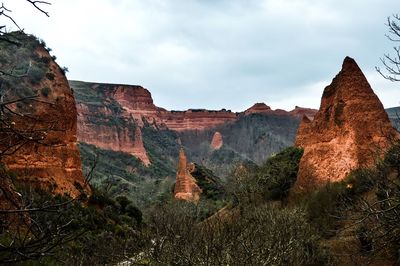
(299, 112)
(196, 119)
(217, 141)
(350, 130)
(56, 165)
(186, 187)
(133, 105)
(259, 108)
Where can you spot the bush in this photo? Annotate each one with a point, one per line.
(258, 236)
(279, 173)
(45, 91)
(50, 76)
(36, 74)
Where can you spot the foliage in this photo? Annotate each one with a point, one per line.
(101, 232)
(25, 66)
(123, 174)
(278, 174)
(210, 184)
(259, 236)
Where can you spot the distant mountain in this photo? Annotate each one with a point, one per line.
(394, 116)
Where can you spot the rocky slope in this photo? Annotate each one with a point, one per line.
(350, 130)
(49, 157)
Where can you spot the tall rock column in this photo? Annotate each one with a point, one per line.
(186, 187)
(351, 130)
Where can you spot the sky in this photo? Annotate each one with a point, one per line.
(217, 54)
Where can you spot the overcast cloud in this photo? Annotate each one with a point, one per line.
(217, 53)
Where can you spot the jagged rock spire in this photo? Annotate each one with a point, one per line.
(186, 187)
(350, 130)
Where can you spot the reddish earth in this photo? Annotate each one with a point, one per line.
(186, 187)
(55, 164)
(350, 130)
(217, 141)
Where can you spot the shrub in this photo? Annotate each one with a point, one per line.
(36, 74)
(45, 91)
(50, 76)
(278, 174)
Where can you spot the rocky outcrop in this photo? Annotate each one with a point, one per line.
(258, 108)
(196, 119)
(53, 160)
(217, 141)
(186, 187)
(350, 130)
(298, 112)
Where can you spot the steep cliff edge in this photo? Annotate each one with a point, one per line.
(51, 160)
(111, 116)
(350, 130)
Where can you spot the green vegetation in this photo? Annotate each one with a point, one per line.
(122, 174)
(97, 232)
(264, 235)
(45, 91)
(210, 184)
(25, 66)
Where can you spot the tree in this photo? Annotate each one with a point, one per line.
(390, 62)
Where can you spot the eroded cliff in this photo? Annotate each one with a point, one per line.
(49, 157)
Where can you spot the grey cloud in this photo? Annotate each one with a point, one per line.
(220, 53)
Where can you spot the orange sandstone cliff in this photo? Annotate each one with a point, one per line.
(350, 130)
(186, 187)
(53, 163)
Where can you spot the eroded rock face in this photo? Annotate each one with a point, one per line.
(350, 130)
(196, 119)
(217, 141)
(298, 112)
(258, 108)
(55, 163)
(186, 187)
